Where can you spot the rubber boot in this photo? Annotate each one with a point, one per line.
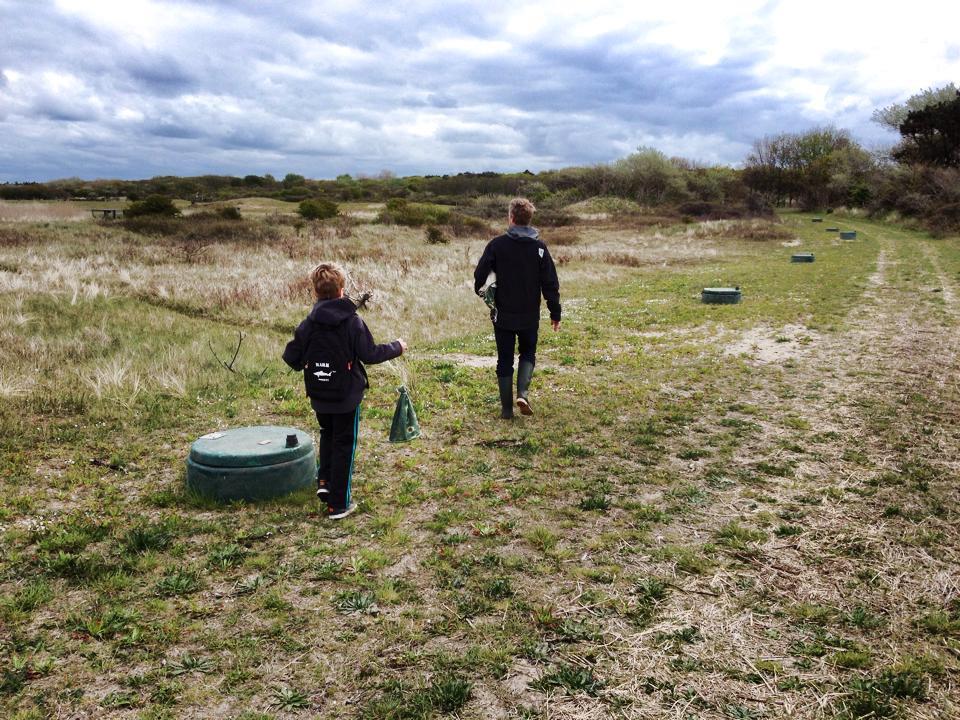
(524, 375)
(506, 396)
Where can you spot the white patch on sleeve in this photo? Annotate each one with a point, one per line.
(540, 251)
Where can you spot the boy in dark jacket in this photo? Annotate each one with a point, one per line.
(524, 270)
(330, 346)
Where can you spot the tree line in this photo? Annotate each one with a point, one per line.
(824, 167)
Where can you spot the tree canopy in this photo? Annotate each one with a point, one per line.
(931, 135)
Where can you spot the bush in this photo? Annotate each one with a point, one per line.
(436, 236)
(399, 212)
(491, 207)
(945, 218)
(465, 225)
(704, 210)
(152, 224)
(229, 213)
(317, 209)
(152, 205)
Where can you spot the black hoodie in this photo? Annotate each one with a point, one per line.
(524, 270)
(360, 344)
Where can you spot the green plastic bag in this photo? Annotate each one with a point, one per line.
(405, 426)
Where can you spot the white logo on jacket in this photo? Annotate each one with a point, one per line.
(322, 374)
(540, 251)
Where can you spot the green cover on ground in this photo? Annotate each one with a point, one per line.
(251, 463)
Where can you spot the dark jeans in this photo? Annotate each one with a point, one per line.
(338, 447)
(525, 340)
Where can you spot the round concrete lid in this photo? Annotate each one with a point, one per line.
(250, 447)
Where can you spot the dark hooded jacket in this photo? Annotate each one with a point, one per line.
(340, 312)
(524, 271)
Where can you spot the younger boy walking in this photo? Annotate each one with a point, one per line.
(330, 347)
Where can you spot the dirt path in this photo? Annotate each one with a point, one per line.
(861, 502)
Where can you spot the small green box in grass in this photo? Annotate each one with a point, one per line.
(802, 258)
(848, 234)
(721, 296)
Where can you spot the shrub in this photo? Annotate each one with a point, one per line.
(436, 236)
(229, 213)
(317, 209)
(465, 225)
(712, 211)
(399, 212)
(492, 207)
(152, 224)
(152, 205)
(946, 218)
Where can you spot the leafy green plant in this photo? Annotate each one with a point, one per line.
(189, 663)
(355, 601)
(595, 501)
(317, 209)
(570, 678)
(178, 582)
(226, 556)
(328, 569)
(26, 598)
(152, 205)
(147, 536)
(289, 699)
(102, 625)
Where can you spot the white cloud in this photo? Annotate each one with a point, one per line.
(251, 86)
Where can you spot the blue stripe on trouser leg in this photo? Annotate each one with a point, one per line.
(353, 453)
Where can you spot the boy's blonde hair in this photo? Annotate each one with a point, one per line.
(328, 280)
(521, 210)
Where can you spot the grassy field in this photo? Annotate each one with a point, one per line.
(744, 511)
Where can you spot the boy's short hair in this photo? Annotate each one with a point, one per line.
(521, 210)
(328, 280)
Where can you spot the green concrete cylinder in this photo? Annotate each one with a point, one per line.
(848, 234)
(251, 463)
(720, 296)
(802, 258)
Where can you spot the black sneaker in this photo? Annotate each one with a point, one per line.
(323, 492)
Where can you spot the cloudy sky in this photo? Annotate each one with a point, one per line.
(136, 88)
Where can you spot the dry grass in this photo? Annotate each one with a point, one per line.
(21, 211)
(752, 230)
(720, 535)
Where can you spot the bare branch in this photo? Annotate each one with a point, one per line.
(228, 366)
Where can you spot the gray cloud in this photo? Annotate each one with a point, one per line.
(251, 86)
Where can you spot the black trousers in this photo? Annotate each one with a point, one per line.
(524, 340)
(338, 448)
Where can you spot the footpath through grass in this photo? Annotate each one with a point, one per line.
(740, 511)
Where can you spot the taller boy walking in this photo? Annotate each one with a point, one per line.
(524, 271)
(330, 346)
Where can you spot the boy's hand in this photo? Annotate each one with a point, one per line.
(403, 345)
(556, 325)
